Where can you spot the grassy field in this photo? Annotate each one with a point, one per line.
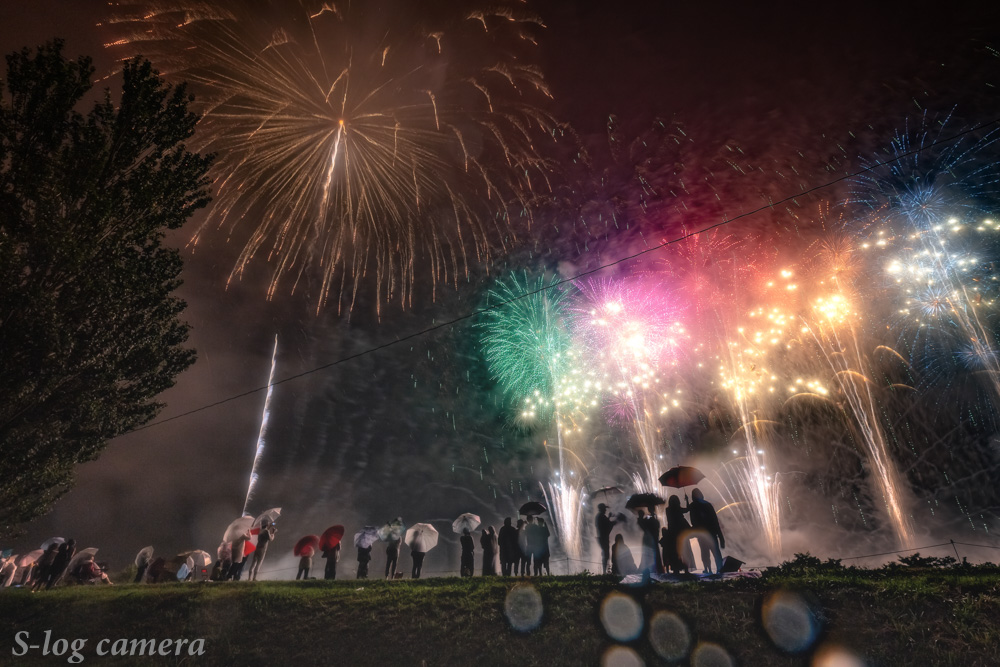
(903, 616)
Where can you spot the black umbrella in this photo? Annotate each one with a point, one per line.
(642, 500)
(532, 508)
(681, 476)
(607, 491)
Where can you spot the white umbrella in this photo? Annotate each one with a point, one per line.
(145, 555)
(422, 537)
(238, 529)
(271, 515)
(366, 537)
(82, 556)
(52, 540)
(29, 558)
(466, 522)
(199, 558)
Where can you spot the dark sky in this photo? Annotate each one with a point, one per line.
(348, 445)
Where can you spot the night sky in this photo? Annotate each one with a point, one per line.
(364, 441)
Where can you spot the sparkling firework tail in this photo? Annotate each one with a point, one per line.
(263, 429)
(835, 334)
(565, 502)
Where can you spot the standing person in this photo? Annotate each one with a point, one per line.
(543, 547)
(266, 536)
(487, 545)
(707, 531)
(63, 556)
(44, 566)
(391, 556)
(418, 562)
(495, 543)
(676, 549)
(239, 558)
(535, 535)
(604, 524)
(522, 549)
(141, 568)
(305, 564)
(509, 552)
(650, 526)
(364, 555)
(529, 546)
(468, 553)
(332, 557)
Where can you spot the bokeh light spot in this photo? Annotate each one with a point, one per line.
(523, 607)
(669, 635)
(789, 621)
(707, 654)
(621, 617)
(621, 656)
(829, 655)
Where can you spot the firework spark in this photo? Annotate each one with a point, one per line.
(355, 138)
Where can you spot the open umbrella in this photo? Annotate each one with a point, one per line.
(202, 564)
(608, 491)
(307, 542)
(271, 515)
(421, 537)
(145, 555)
(393, 529)
(681, 476)
(249, 547)
(52, 540)
(29, 558)
(466, 521)
(366, 537)
(330, 537)
(238, 528)
(81, 556)
(643, 500)
(532, 508)
(198, 558)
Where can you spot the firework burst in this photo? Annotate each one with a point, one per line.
(353, 138)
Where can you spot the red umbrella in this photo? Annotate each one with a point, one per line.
(331, 537)
(248, 548)
(308, 542)
(681, 476)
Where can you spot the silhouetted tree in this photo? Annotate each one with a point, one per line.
(89, 329)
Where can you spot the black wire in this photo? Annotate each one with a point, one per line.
(582, 274)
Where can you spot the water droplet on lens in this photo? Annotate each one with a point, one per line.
(621, 617)
(789, 621)
(523, 607)
(830, 655)
(669, 635)
(707, 654)
(621, 656)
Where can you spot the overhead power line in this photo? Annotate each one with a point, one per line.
(582, 274)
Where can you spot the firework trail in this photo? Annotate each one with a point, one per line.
(833, 327)
(355, 138)
(565, 502)
(527, 346)
(263, 428)
(751, 387)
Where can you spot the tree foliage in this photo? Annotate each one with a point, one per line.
(89, 329)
